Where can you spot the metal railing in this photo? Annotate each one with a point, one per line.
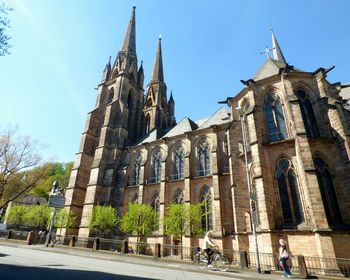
(338, 267)
(84, 242)
(111, 245)
(328, 266)
(177, 252)
(141, 248)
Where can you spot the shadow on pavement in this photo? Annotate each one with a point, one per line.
(3, 255)
(14, 272)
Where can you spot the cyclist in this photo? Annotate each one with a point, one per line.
(207, 246)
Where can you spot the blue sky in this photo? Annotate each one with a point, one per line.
(60, 48)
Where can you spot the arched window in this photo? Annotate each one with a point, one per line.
(290, 198)
(245, 108)
(147, 124)
(275, 119)
(156, 167)
(328, 194)
(308, 115)
(179, 197)
(204, 159)
(137, 169)
(207, 219)
(131, 116)
(179, 163)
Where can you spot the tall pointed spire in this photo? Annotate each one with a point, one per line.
(157, 74)
(276, 52)
(129, 44)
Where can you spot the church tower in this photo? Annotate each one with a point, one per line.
(156, 113)
(110, 127)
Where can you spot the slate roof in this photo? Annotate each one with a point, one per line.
(186, 125)
(270, 68)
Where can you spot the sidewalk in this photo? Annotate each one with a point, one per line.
(150, 261)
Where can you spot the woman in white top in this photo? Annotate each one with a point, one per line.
(207, 246)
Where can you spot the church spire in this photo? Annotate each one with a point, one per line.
(276, 50)
(157, 74)
(129, 44)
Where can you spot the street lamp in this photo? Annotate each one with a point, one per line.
(54, 192)
(252, 201)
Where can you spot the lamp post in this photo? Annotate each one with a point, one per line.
(54, 191)
(252, 201)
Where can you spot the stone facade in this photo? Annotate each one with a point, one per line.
(297, 132)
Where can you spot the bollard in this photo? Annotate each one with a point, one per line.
(302, 267)
(30, 238)
(72, 241)
(124, 248)
(243, 260)
(156, 253)
(96, 245)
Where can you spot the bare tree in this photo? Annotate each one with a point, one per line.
(4, 24)
(18, 157)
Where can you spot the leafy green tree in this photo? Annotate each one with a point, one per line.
(17, 216)
(38, 216)
(141, 219)
(182, 219)
(103, 219)
(64, 219)
(56, 171)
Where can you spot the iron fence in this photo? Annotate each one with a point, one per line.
(233, 257)
(338, 267)
(111, 245)
(84, 242)
(177, 252)
(328, 266)
(141, 248)
(19, 235)
(4, 233)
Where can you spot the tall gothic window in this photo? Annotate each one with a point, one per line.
(308, 114)
(275, 118)
(207, 219)
(179, 163)
(204, 159)
(156, 167)
(137, 169)
(290, 198)
(328, 194)
(147, 124)
(179, 197)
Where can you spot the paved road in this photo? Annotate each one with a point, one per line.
(17, 263)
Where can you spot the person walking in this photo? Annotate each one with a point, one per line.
(284, 256)
(207, 246)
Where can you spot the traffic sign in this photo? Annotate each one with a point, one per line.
(56, 201)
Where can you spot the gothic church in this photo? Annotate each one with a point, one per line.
(296, 128)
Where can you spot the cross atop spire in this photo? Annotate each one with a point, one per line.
(129, 44)
(157, 74)
(276, 50)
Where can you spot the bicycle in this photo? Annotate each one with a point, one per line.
(218, 261)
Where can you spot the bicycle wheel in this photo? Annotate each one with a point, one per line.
(222, 263)
(202, 262)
